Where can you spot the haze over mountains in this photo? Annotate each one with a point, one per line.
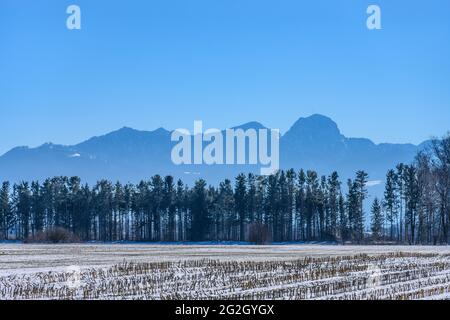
(130, 155)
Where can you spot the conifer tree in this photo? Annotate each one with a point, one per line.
(376, 220)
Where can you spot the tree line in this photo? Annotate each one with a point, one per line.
(283, 207)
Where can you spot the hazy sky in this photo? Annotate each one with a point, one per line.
(147, 64)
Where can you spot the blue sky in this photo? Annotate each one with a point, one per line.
(147, 64)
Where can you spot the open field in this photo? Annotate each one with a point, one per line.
(145, 271)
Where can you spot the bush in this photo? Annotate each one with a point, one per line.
(259, 233)
(54, 235)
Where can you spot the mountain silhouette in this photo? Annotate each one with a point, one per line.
(129, 155)
(316, 143)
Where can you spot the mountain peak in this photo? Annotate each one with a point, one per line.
(129, 130)
(318, 120)
(250, 125)
(125, 130)
(161, 130)
(316, 126)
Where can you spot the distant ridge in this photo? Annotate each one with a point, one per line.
(129, 155)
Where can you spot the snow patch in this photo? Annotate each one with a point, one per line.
(75, 155)
(373, 183)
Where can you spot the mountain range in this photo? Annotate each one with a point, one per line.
(129, 155)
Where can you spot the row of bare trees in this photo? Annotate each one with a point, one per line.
(416, 204)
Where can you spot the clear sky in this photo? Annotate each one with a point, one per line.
(152, 63)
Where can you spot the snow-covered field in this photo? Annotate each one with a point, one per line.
(145, 271)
